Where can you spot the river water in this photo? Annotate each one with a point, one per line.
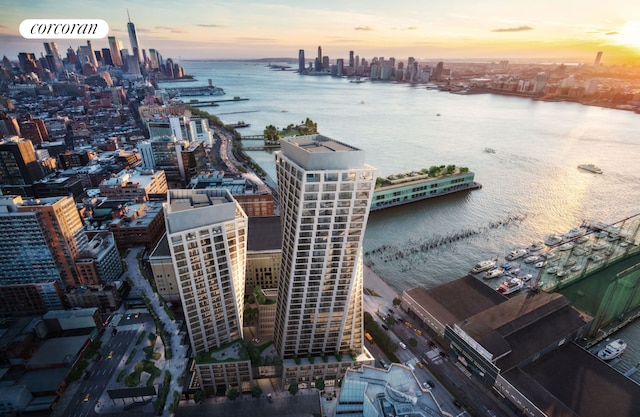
(524, 152)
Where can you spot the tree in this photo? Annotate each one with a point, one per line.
(198, 396)
(256, 391)
(397, 301)
(320, 384)
(413, 342)
(294, 388)
(233, 394)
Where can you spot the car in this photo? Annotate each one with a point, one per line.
(430, 384)
(87, 397)
(457, 403)
(420, 365)
(402, 345)
(137, 315)
(110, 355)
(128, 316)
(384, 326)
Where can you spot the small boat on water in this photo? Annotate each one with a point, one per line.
(612, 350)
(510, 286)
(494, 273)
(553, 240)
(590, 168)
(567, 246)
(516, 254)
(531, 259)
(534, 247)
(483, 266)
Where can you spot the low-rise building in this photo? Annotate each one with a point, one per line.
(139, 224)
(138, 186)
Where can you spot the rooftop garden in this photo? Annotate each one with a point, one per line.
(432, 172)
(307, 127)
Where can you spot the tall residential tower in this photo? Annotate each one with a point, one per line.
(325, 191)
(207, 236)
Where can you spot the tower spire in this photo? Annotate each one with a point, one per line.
(128, 17)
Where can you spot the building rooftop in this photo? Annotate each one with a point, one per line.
(523, 325)
(60, 351)
(571, 382)
(264, 234)
(317, 152)
(188, 209)
(392, 391)
(457, 300)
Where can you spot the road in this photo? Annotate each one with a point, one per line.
(451, 383)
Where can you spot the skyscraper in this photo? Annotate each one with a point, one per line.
(41, 239)
(325, 192)
(596, 63)
(51, 48)
(133, 38)
(206, 231)
(18, 162)
(301, 63)
(115, 46)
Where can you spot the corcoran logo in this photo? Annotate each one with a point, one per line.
(64, 28)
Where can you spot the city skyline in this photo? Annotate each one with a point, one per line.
(567, 32)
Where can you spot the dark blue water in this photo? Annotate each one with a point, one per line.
(531, 183)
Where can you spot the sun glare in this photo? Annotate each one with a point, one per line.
(629, 34)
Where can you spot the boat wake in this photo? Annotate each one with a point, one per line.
(410, 249)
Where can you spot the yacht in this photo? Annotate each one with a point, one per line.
(494, 273)
(510, 285)
(516, 254)
(567, 246)
(483, 266)
(553, 240)
(612, 350)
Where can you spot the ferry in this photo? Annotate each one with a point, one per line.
(396, 190)
(590, 168)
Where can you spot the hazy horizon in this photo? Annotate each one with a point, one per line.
(567, 31)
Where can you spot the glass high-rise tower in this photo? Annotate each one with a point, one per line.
(325, 191)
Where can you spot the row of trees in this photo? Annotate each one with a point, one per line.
(307, 127)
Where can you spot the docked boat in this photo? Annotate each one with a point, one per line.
(582, 239)
(590, 168)
(534, 247)
(531, 259)
(541, 264)
(516, 254)
(566, 246)
(599, 246)
(553, 240)
(410, 187)
(511, 285)
(574, 233)
(494, 273)
(612, 350)
(483, 266)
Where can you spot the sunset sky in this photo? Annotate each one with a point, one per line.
(558, 31)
